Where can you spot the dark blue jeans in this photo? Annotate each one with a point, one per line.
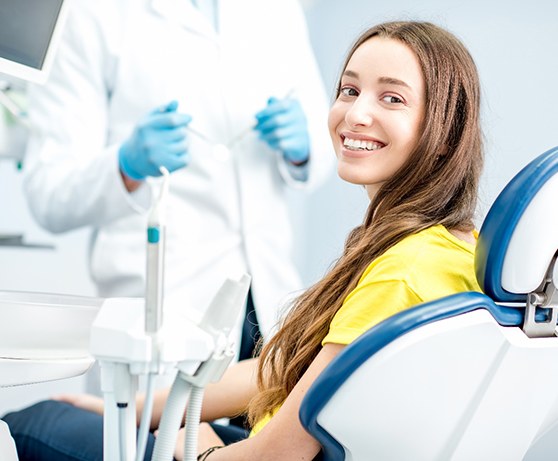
(57, 431)
(50, 430)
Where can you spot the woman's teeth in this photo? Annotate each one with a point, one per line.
(358, 144)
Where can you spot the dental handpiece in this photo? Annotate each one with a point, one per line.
(156, 231)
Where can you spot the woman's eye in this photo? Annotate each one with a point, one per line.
(348, 91)
(392, 99)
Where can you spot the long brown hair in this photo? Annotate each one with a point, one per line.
(437, 185)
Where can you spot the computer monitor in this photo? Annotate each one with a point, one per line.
(29, 33)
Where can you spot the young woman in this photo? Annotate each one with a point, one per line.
(405, 125)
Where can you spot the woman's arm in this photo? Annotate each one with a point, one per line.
(230, 396)
(283, 438)
(226, 398)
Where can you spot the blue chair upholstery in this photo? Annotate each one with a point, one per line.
(504, 218)
(459, 378)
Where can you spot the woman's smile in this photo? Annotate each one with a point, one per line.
(359, 146)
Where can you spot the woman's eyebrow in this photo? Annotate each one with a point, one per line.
(384, 80)
(393, 81)
(350, 73)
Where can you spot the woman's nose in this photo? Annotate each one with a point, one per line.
(360, 113)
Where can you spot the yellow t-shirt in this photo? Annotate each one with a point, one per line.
(422, 267)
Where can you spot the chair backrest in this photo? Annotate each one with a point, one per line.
(518, 238)
(458, 378)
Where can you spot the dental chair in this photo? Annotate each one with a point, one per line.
(467, 377)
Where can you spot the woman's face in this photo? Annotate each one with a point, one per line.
(375, 121)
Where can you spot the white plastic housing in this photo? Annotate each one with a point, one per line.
(118, 335)
(44, 336)
(527, 257)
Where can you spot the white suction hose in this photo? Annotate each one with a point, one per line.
(171, 420)
(193, 423)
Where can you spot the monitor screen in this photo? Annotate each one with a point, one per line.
(29, 30)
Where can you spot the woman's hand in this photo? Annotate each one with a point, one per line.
(84, 401)
(206, 438)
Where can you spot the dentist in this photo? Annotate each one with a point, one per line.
(227, 96)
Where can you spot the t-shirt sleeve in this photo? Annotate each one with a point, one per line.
(367, 305)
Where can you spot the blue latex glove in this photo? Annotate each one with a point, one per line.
(283, 126)
(159, 139)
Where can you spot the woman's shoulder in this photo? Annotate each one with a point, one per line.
(431, 249)
(431, 239)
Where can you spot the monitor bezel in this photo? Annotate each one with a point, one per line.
(32, 74)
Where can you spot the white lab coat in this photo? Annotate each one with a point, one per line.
(120, 59)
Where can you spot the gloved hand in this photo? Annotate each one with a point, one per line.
(283, 126)
(159, 139)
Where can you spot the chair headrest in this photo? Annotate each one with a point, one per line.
(519, 236)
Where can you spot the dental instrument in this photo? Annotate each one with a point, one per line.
(156, 238)
(199, 134)
(222, 151)
(155, 258)
(247, 130)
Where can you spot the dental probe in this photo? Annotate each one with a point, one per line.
(199, 134)
(248, 129)
(234, 139)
